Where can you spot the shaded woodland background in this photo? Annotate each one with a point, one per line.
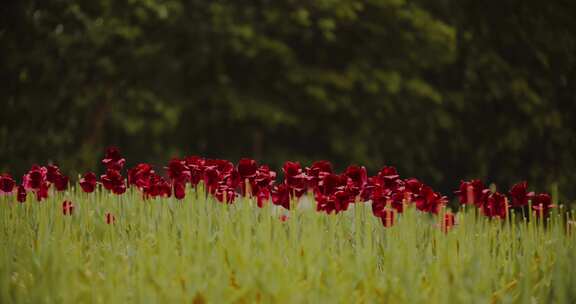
(441, 89)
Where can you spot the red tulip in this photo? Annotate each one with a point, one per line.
(295, 178)
(341, 200)
(158, 186)
(281, 196)
(413, 185)
(262, 196)
(211, 178)
(225, 194)
(178, 171)
(7, 183)
(21, 194)
(357, 174)
(335, 202)
(88, 182)
(470, 192)
(110, 218)
(196, 165)
(52, 172)
(230, 178)
(140, 175)
(331, 183)
(164, 188)
(519, 195)
(35, 178)
(291, 168)
(379, 197)
(373, 183)
(42, 192)
(113, 181)
(61, 182)
(317, 172)
(397, 198)
(119, 188)
(358, 178)
(335, 193)
(67, 208)
(541, 204)
(222, 165)
(494, 204)
(389, 177)
(247, 168)
(247, 171)
(113, 159)
(388, 172)
(429, 201)
(283, 217)
(321, 166)
(179, 190)
(263, 180)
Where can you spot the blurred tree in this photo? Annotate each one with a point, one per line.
(511, 91)
(442, 89)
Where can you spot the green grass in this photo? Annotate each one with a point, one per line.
(198, 250)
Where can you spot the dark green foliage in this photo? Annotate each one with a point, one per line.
(444, 89)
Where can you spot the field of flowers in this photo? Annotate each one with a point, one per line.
(210, 231)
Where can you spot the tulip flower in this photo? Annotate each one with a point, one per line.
(225, 194)
(88, 182)
(413, 185)
(358, 175)
(52, 172)
(541, 204)
(61, 182)
(317, 172)
(494, 204)
(157, 187)
(470, 192)
(196, 165)
(211, 178)
(67, 208)
(21, 194)
(335, 202)
(109, 218)
(388, 176)
(247, 168)
(262, 196)
(178, 170)
(263, 180)
(140, 175)
(35, 178)
(281, 196)
(430, 201)
(42, 192)
(379, 199)
(113, 159)
(179, 190)
(295, 178)
(113, 181)
(7, 183)
(519, 194)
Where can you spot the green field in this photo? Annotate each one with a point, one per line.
(199, 250)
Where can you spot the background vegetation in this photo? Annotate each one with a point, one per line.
(442, 89)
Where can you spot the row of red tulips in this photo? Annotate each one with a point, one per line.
(388, 192)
